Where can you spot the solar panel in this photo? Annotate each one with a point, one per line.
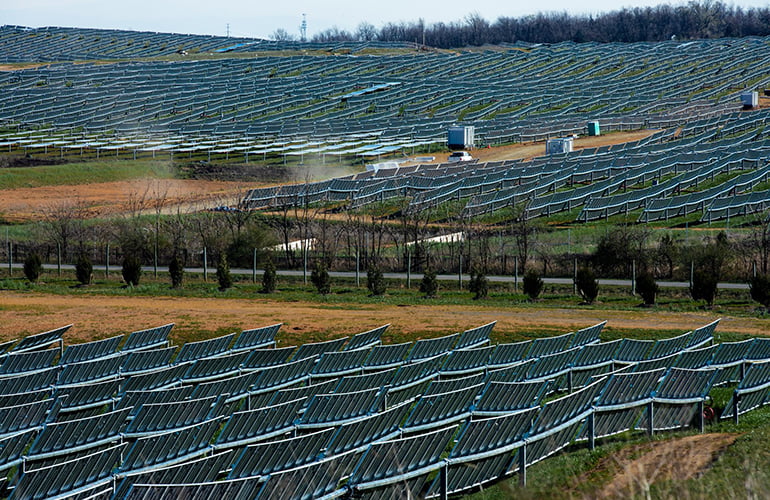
(71, 436)
(337, 364)
(78, 353)
(68, 477)
(284, 375)
(191, 351)
(12, 448)
(90, 372)
(162, 450)
(32, 415)
(148, 339)
(509, 354)
(358, 434)
(27, 362)
(265, 458)
(261, 358)
(461, 362)
(256, 338)
(441, 409)
(82, 397)
(415, 373)
(587, 336)
(550, 345)
(372, 380)
(196, 471)
(239, 488)
(501, 398)
(475, 337)
(41, 340)
(250, 426)
(163, 417)
(390, 462)
(305, 392)
(140, 362)
(204, 370)
(44, 379)
(320, 480)
(430, 348)
(366, 339)
(387, 356)
(161, 378)
(318, 348)
(326, 410)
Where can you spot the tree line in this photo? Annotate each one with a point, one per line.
(694, 20)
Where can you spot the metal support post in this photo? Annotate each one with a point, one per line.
(651, 419)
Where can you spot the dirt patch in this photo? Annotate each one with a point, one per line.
(637, 467)
(9, 161)
(98, 317)
(533, 149)
(110, 198)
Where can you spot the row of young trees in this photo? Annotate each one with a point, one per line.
(696, 19)
(147, 234)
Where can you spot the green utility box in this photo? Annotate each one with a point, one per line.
(593, 128)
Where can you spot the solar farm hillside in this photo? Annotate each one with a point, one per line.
(129, 160)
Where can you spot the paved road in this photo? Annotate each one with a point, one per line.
(415, 277)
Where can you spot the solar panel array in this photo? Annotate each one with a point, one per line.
(358, 106)
(375, 432)
(659, 179)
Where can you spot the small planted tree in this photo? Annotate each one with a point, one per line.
(479, 285)
(375, 282)
(269, 278)
(33, 266)
(223, 273)
(320, 279)
(132, 269)
(586, 284)
(429, 284)
(176, 271)
(704, 286)
(533, 284)
(647, 288)
(84, 270)
(759, 286)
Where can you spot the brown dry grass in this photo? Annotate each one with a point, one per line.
(98, 317)
(637, 467)
(111, 198)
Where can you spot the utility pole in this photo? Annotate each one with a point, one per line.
(228, 30)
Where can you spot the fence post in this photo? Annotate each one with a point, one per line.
(254, 267)
(409, 268)
(205, 264)
(444, 482)
(633, 277)
(516, 274)
(58, 259)
(592, 430)
(523, 465)
(107, 261)
(701, 419)
(574, 276)
(736, 401)
(650, 419)
(10, 258)
(460, 272)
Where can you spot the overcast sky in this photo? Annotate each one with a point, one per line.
(261, 18)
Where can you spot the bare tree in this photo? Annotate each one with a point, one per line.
(281, 35)
(64, 223)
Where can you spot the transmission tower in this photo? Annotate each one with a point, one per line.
(303, 29)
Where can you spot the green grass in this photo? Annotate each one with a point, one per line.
(83, 173)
